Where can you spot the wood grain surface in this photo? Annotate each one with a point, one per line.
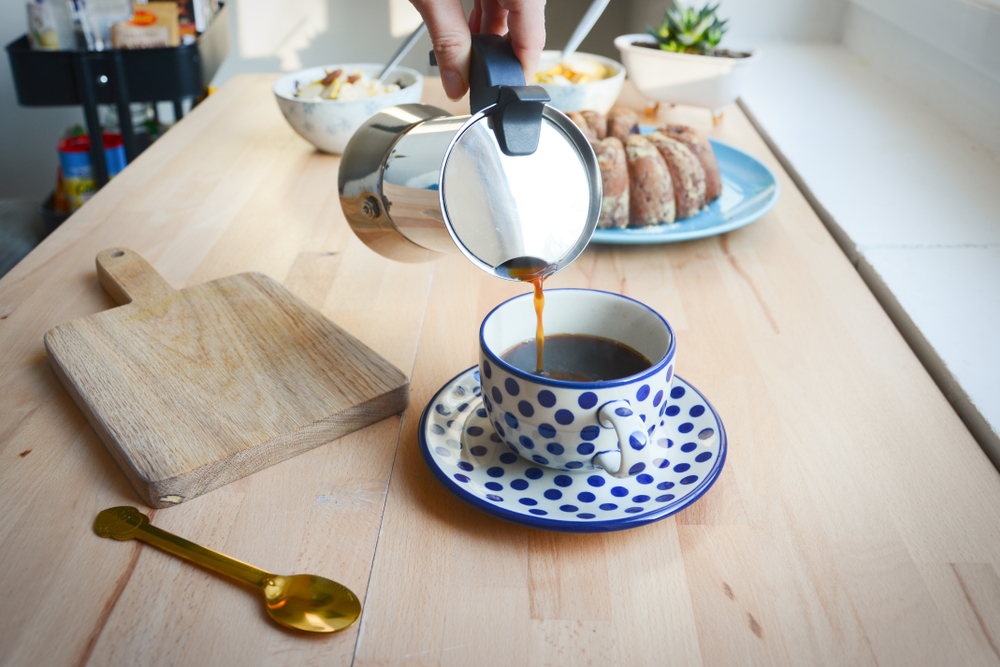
(856, 520)
(191, 389)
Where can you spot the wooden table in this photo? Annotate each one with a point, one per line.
(855, 522)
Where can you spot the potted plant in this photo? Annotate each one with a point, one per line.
(680, 62)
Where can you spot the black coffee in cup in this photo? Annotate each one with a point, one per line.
(578, 358)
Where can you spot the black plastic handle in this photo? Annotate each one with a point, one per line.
(496, 77)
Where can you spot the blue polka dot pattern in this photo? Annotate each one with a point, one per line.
(487, 369)
(587, 400)
(676, 392)
(642, 393)
(497, 396)
(462, 446)
(546, 398)
(623, 412)
(538, 458)
(637, 440)
(564, 417)
(512, 387)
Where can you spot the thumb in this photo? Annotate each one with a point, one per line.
(449, 34)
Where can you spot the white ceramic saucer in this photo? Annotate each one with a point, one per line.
(470, 460)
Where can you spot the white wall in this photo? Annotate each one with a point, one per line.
(944, 52)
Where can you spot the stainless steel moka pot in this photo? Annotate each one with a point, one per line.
(515, 186)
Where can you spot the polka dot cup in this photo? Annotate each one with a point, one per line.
(578, 425)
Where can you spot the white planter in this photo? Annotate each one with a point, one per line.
(683, 78)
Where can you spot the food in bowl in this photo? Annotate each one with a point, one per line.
(340, 84)
(574, 70)
(581, 81)
(328, 124)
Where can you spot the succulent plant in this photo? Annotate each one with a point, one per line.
(687, 30)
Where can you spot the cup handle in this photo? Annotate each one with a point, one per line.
(632, 437)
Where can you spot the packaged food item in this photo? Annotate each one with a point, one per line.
(42, 30)
(153, 25)
(77, 174)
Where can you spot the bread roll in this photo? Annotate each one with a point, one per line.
(686, 172)
(581, 122)
(597, 121)
(614, 176)
(702, 149)
(651, 196)
(622, 122)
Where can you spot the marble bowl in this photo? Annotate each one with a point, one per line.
(329, 124)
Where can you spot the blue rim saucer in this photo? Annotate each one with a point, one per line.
(465, 454)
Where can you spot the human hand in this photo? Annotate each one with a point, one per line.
(522, 22)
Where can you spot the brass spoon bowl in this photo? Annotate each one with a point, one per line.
(301, 601)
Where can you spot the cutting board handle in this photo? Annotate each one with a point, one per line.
(127, 277)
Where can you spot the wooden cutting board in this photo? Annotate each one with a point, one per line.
(192, 389)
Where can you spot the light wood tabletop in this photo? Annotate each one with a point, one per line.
(856, 521)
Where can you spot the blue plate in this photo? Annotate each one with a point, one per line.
(749, 190)
(465, 454)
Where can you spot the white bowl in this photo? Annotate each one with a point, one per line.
(596, 95)
(329, 124)
(683, 78)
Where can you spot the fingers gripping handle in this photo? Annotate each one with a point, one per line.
(632, 438)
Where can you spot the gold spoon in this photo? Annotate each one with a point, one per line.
(301, 601)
